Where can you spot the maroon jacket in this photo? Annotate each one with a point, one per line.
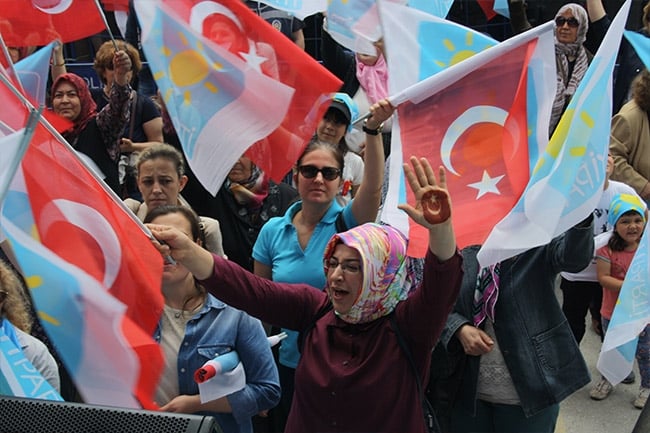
(351, 378)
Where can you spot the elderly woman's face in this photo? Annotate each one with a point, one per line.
(567, 26)
(241, 171)
(66, 102)
(344, 278)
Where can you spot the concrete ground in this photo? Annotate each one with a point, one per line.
(615, 414)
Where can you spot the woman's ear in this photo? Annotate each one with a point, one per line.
(183, 182)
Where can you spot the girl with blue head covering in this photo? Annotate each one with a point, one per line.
(627, 214)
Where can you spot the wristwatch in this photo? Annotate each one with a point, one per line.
(370, 131)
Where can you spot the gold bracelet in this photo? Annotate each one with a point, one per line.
(58, 64)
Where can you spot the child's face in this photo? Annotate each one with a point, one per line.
(630, 226)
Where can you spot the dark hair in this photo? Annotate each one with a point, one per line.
(616, 242)
(641, 90)
(316, 144)
(189, 214)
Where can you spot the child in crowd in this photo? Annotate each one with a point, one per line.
(627, 216)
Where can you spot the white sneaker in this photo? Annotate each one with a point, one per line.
(642, 398)
(602, 390)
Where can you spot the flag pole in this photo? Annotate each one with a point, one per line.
(108, 28)
(93, 173)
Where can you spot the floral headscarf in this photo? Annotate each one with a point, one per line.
(386, 277)
(88, 105)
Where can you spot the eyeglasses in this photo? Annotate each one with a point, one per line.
(572, 22)
(311, 171)
(3, 295)
(347, 266)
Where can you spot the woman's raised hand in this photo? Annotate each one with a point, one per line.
(433, 205)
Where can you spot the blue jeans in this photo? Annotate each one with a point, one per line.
(503, 418)
(642, 352)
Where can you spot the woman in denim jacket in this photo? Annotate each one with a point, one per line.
(522, 358)
(194, 328)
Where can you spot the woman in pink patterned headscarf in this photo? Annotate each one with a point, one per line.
(354, 374)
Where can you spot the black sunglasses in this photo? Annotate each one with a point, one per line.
(311, 171)
(572, 22)
(3, 295)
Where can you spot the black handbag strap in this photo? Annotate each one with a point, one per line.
(432, 423)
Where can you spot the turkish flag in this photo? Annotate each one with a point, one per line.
(477, 129)
(94, 274)
(39, 22)
(79, 220)
(283, 61)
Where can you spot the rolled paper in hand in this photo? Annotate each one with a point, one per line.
(275, 339)
(219, 364)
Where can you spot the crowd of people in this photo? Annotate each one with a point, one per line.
(308, 256)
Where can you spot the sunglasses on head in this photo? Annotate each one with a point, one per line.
(572, 22)
(311, 171)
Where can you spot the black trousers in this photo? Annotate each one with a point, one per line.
(578, 298)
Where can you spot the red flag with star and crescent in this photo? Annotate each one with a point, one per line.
(476, 125)
(39, 22)
(92, 272)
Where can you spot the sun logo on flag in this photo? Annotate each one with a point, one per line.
(458, 54)
(188, 68)
(457, 44)
(559, 139)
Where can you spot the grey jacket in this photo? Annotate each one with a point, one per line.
(537, 344)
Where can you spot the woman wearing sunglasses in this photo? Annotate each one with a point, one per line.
(571, 57)
(289, 249)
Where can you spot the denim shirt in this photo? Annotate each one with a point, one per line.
(537, 344)
(216, 329)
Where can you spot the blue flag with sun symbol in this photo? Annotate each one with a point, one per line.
(220, 103)
(568, 180)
